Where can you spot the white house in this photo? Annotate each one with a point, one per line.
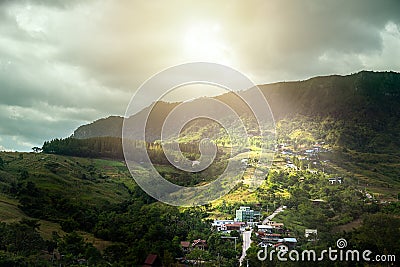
(336, 180)
(220, 225)
(265, 228)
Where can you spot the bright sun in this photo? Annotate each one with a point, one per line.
(202, 42)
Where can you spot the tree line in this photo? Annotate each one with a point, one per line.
(111, 147)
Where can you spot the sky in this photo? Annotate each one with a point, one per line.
(67, 63)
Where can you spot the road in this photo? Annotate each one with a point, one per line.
(247, 234)
(246, 244)
(270, 217)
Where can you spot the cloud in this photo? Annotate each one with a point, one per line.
(2, 148)
(64, 63)
(296, 35)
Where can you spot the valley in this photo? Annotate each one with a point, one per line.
(334, 167)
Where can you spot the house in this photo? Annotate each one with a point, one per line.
(227, 228)
(221, 222)
(317, 148)
(310, 170)
(152, 260)
(271, 238)
(237, 226)
(276, 225)
(287, 152)
(335, 180)
(260, 234)
(291, 166)
(185, 245)
(309, 152)
(265, 228)
(245, 214)
(228, 225)
(252, 224)
(281, 247)
(200, 244)
(220, 225)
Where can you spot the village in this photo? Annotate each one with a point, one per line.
(308, 159)
(249, 226)
(268, 233)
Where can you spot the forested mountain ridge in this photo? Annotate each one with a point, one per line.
(364, 94)
(358, 111)
(112, 126)
(371, 97)
(104, 127)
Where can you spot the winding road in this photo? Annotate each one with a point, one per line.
(270, 217)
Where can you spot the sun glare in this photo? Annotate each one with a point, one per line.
(202, 42)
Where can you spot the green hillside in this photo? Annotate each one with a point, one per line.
(85, 208)
(356, 116)
(78, 199)
(92, 209)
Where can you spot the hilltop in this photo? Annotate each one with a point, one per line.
(365, 97)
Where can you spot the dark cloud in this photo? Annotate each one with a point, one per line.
(296, 34)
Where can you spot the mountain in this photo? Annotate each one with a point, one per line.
(112, 126)
(371, 98)
(105, 127)
(366, 94)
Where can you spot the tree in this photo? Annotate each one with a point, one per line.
(1, 163)
(379, 232)
(21, 237)
(235, 233)
(36, 149)
(198, 255)
(34, 224)
(168, 260)
(73, 246)
(92, 255)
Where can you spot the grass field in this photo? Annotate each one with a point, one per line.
(9, 211)
(93, 181)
